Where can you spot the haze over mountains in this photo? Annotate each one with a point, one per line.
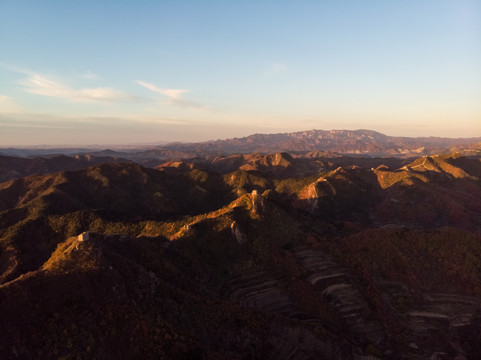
(366, 142)
(213, 252)
(341, 141)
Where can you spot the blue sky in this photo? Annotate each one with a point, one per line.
(124, 72)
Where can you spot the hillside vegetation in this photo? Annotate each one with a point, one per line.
(244, 257)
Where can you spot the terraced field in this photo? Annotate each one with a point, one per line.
(431, 316)
(338, 288)
(259, 290)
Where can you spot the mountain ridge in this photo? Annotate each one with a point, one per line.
(342, 141)
(353, 142)
(273, 256)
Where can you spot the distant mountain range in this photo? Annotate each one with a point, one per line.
(365, 142)
(352, 142)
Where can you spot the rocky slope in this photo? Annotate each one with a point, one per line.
(242, 257)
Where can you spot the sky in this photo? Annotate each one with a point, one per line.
(148, 72)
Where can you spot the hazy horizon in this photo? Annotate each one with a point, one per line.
(110, 73)
(140, 145)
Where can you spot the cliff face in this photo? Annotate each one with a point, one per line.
(179, 262)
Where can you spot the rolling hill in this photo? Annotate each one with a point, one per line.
(272, 256)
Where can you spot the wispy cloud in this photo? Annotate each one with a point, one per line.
(44, 85)
(89, 75)
(174, 96)
(275, 69)
(8, 105)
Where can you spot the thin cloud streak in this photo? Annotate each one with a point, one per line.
(42, 85)
(89, 75)
(39, 119)
(174, 96)
(8, 105)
